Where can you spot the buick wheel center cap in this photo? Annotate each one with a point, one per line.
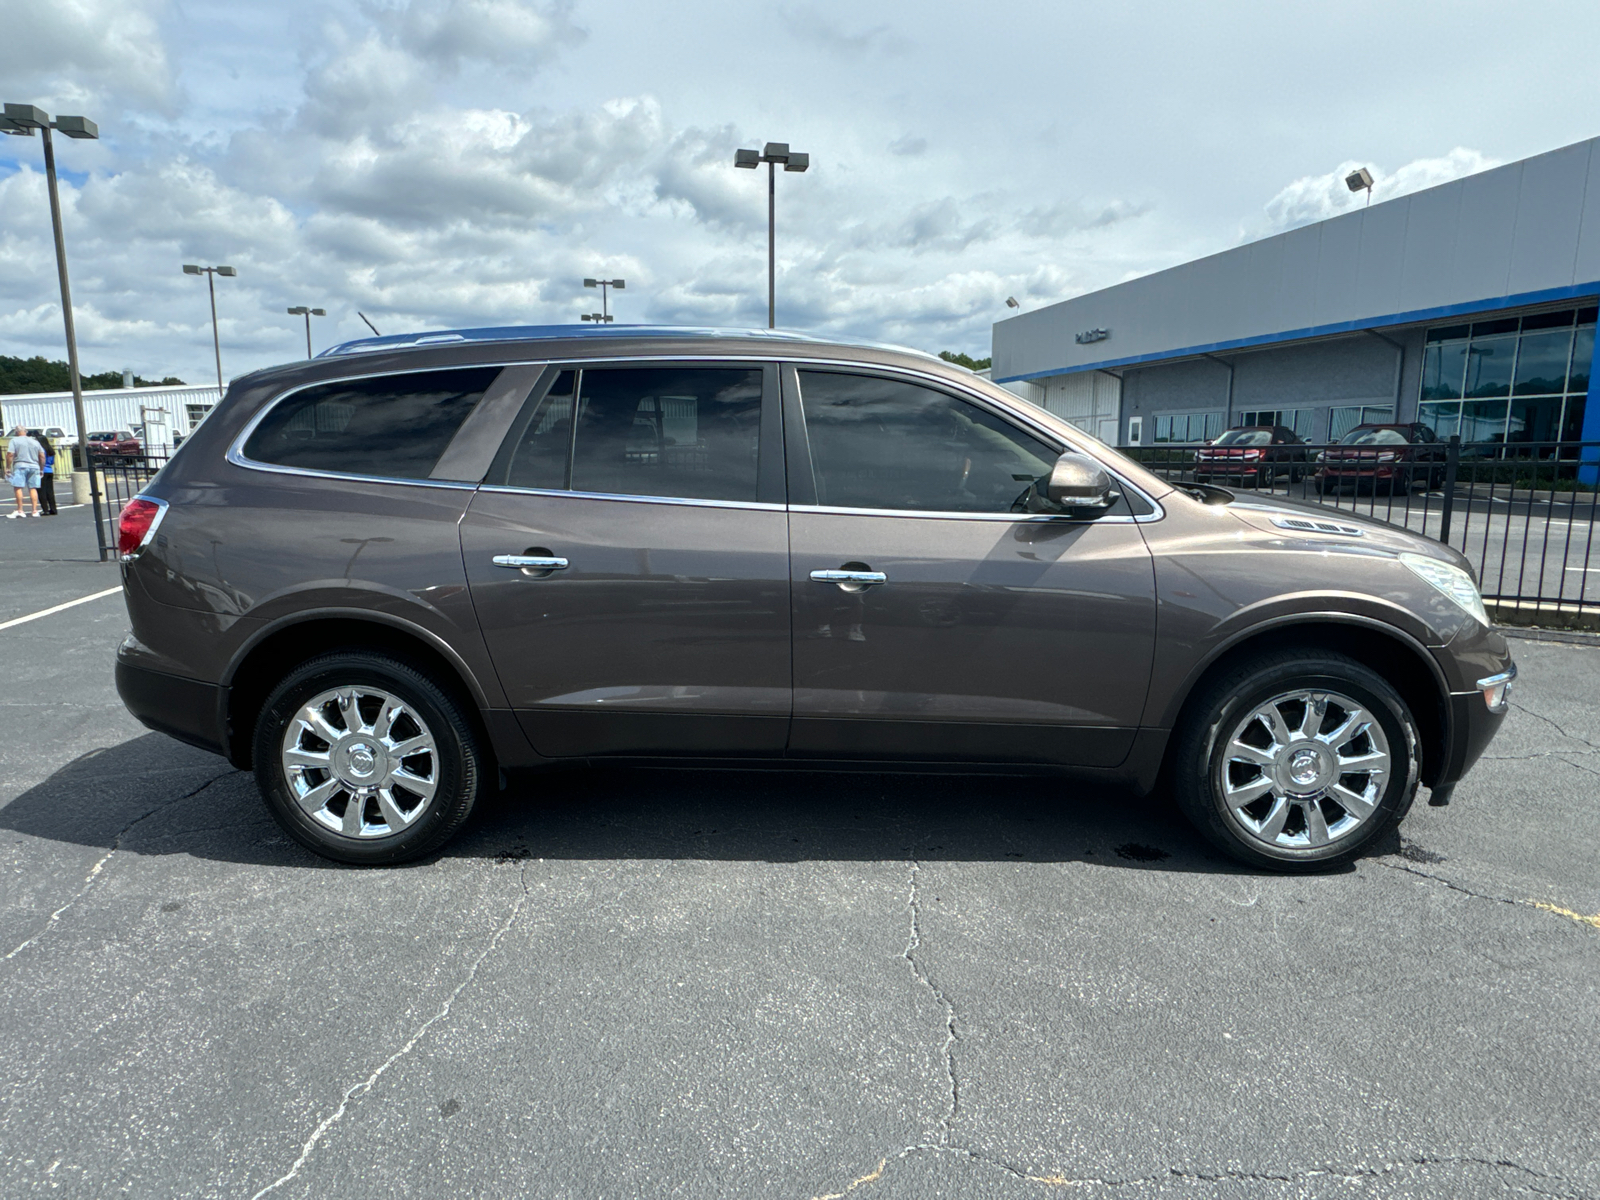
(361, 760)
(1304, 768)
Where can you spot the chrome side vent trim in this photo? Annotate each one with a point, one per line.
(1312, 525)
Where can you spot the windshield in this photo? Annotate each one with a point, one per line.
(1374, 437)
(1246, 437)
(102, 437)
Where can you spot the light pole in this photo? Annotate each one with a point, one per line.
(21, 120)
(774, 153)
(211, 274)
(300, 310)
(603, 284)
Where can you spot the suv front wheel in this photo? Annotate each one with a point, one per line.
(1297, 761)
(364, 759)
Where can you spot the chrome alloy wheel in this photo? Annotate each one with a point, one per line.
(1305, 769)
(360, 761)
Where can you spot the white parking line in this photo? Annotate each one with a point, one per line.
(45, 612)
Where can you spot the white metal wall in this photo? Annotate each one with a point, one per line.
(1091, 400)
(113, 408)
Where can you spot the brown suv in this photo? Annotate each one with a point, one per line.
(390, 575)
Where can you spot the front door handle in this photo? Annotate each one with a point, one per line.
(531, 562)
(850, 581)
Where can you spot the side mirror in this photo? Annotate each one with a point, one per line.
(1077, 485)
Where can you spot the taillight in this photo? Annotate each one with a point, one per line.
(137, 522)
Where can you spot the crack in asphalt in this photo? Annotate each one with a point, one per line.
(947, 1145)
(1345, 1174)
(1541, 905)
(1554, 725)
(913, 942)
(99, 866)
(366, 1085)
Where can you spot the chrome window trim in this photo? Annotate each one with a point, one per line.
(756, 505)
(937, 515)
(235, 454)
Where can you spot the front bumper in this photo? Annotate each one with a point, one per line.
(1472, 725)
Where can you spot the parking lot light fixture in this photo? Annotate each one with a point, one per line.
(300, 310)
(1357, 180)
(772, 154)
(211, 274)
(598, 318)
(605, 285)
(21, 120)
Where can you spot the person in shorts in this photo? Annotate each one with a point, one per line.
(25, 469)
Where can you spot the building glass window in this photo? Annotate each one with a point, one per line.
(1298, 419)
(1523, 379)
(1346, 417)
(1189, 427)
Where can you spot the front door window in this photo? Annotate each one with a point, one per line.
(886, 443)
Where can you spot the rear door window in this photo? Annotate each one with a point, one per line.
(676, 432)
(390, 426)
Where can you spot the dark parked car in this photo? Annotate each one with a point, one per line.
(1255, 454)
(1393, 457)
(115, 443)
(389, 577)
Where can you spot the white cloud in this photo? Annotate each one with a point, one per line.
(1317, 197)
(77, 54)
(457, 162)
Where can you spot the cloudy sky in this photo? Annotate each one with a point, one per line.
(438, 163)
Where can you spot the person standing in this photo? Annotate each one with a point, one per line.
(25, 462)
(47, 482)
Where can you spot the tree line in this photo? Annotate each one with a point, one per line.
(39, 374)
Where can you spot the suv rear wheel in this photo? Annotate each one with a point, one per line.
(1297, 761)
(363, 758)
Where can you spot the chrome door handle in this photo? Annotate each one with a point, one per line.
(533, 562)
(859, 578)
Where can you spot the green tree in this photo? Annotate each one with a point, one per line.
(39, 374)
(965, 360)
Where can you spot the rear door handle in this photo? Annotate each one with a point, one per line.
(532, 562)
(845, 578)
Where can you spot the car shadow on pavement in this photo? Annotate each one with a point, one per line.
(154, 796)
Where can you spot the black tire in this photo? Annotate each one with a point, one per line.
(457, 772)
(1325, 485)
(1200, 754)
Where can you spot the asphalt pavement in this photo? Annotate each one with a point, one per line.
(627, 983)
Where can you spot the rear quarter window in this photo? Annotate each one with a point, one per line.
(392, 426)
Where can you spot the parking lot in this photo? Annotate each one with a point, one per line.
(627, 983)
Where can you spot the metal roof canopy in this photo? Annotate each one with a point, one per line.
(1521, 234)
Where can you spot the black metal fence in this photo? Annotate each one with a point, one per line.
(121, 478)
(1523, 512)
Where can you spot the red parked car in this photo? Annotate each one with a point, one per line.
(1395, 457)
(117, 443)
(1253, 454)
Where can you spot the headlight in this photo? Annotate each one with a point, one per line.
(1452, 581)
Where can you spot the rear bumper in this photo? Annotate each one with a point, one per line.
(187, 709)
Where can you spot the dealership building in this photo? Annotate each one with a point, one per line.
(1469, 306)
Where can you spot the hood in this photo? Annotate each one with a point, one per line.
(1262, 513)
